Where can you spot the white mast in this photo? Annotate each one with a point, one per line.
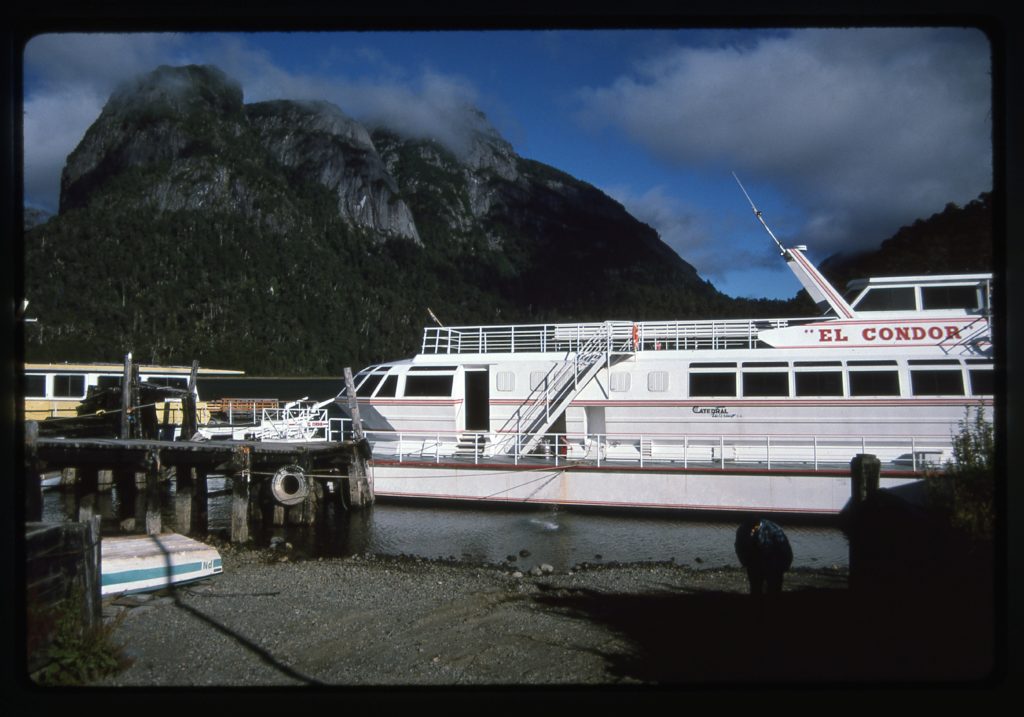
(820, 290)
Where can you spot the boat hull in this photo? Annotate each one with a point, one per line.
(790, 490)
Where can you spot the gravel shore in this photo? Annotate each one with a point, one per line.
(272, 620)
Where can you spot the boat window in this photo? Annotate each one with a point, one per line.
(429, 385)
(175, 382)
(871, 363)
(888, 299)
(389, 387)
(874, 383)
(937, 383)
(712, 384)
(950, 297)
(657, 381)
(712, 365)
(70, 385)
(35, 385)
(619, 381)
(765, 364)
(819, 383)
(817, 363)
(505, 381)
(982, 382)
(933, 362)
(775, 383)
(537, 379)
(108, 382)
(417, 369)
(366, 387)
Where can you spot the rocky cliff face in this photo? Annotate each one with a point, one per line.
(189, 130)
(318, 142)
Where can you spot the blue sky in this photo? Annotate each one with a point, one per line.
(841, 136)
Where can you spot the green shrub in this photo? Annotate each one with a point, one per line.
(965, 491)
(78, 655)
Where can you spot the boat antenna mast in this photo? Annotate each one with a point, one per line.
(757, 213)
(816, 285)
(436, 320)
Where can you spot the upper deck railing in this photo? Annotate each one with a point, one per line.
(622, 336)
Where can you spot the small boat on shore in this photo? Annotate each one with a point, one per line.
(140, 563)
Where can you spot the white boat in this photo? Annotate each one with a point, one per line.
(707, 415)
(149, 562)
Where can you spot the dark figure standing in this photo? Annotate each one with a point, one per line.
(764, 551)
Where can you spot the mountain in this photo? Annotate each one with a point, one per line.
(286, 238)
(954, 241)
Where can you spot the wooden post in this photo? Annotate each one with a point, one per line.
(136, 415)
(865, 470)
(85, 491)
(68, 478)
(202, 497)
(126, 396)
(127, 491)
(153, 522)
(93, 573)
(240, 495)
(189, 420)
(353, 405)
(33, 475)
(184, 500)
(361, 491)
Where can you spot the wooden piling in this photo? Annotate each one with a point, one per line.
(242, 465)
(153, 519)
(127, 492)
(33, 475)
(86, 489)
(865, 472)
(126, 397)
(360, 488)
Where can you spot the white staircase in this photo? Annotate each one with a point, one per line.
(545, 404)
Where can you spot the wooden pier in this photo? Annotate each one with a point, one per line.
(275, 481)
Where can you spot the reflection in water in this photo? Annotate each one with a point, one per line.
(527, 536)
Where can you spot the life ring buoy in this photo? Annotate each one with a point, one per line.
(289, 485)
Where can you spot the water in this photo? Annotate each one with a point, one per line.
(532, 536)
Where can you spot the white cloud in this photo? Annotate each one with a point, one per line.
(71, 76)
(54, 124)
(867, 128)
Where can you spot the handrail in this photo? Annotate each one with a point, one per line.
(719, 451)
(549, 338)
